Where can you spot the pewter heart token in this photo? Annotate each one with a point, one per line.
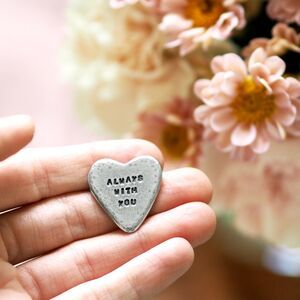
(126, 191)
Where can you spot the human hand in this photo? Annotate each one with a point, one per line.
(68, 247)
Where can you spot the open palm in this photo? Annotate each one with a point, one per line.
(55, 240)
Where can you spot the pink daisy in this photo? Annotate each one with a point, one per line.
(175, 132)
(188, 23)
(246, 106)
(287, 11)
(284, 39)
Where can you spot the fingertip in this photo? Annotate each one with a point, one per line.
(15, 132)
(183, 252)
(15, 120)
(207, 224)
(150, 149)
(29, 120)
(199, 184)
(207, 186)
(28, 125)
(203, 184)
(21, 122)
(22, 118)
(173, 257)
(24, 129)
(198, 222)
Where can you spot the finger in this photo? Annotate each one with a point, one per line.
(85, 260)
(41, 173)
(15, 132)
(10, 287)
(145, 276)
(62, 220)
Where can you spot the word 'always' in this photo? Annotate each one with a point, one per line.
(125, 180)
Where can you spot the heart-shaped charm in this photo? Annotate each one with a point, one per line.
(126, 191)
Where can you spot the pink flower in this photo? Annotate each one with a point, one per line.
(175, 132)
(247, 106)
(287, 11)
(122, 3)
(284, 39)
(189, 23)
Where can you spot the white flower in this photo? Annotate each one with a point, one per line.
(117, 63)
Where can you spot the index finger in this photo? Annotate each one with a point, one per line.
(35, 174)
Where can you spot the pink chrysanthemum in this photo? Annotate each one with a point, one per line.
(247, 106)
(284, 39)
(122, 3)
(287, 11)
(175, 132)
(189, 23)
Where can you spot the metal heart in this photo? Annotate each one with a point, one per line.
(126, 191)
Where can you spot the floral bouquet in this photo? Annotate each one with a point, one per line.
(213, 83)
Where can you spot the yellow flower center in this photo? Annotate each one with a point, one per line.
(253, 104)
(174, 140)
(204, 13)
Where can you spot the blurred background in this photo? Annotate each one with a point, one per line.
(230, 266)
(31, 37)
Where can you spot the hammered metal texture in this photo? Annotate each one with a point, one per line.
(126, 191)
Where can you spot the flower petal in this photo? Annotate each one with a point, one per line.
(276, 65)
(213, 99)
(200, 85)
(258, 56)
(174, 24)
(230, 84)
(286, 115)
(279, 84)
(293, 87)
(259, 70)
(229, 62)
(225, 25)
(261, 143)
(207, 93)
(202, 114)
(223, 142)
(239, 12)
(189, 39)
(220, 100)
(222, 120)
(218, 78)
(275, 130)
(243, 135)
(282, 99)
